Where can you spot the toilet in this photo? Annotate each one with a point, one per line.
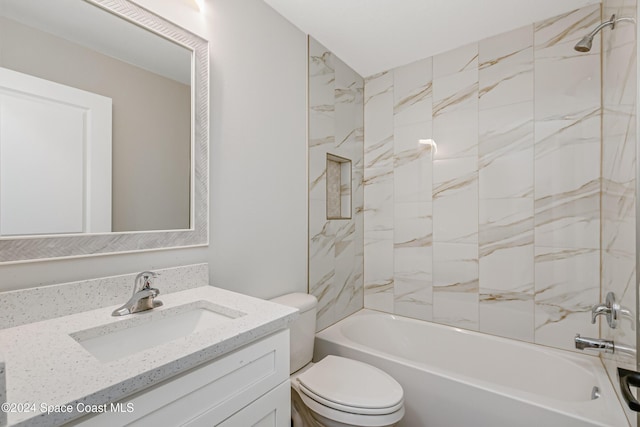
(335, 391)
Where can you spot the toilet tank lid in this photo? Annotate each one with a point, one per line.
(303, 302)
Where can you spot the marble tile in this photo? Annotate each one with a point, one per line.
(555, 37)
(413, 166)
(506, 268)
(563, 86)
(566, 80)
(567, 284)
(455, 61)
(412, 282)
(619, 65)
(507, 314)
(378, 270)
(456, 134)
(378, 120)
(455, 284)
(455, 201)
(413, 260)
(321, 60)
(412, 92)
(349, 272)
(506, 153)
(455, 92)
(506, 68)
(506, 245)
(378, 199)
(567, 182)
(619, 147)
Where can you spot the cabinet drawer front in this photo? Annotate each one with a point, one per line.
(271, 410)
(220, 388)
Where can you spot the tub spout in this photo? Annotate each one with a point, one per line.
(584, 343)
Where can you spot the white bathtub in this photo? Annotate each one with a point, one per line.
(457, 378)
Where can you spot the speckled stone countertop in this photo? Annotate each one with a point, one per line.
(46, 366)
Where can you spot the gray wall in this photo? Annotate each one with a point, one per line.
(258, 205)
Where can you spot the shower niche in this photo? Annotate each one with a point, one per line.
(338, 187)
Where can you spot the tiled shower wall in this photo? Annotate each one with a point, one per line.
(619, 175)
(336, 124)
(498, 228)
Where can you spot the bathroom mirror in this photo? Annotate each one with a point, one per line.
(103, 130)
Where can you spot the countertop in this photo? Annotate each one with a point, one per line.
(46, 368)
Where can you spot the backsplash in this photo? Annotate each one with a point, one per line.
(48, 302)
(335, 132)
(482, 184)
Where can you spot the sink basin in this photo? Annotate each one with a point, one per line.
(151, 328)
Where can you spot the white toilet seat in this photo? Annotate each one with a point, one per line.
(351, 418)
(351, 409)
(350, 392)
(347, 383)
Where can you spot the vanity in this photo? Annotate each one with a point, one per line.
(207, 356)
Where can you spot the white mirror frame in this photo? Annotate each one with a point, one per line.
(37, 248)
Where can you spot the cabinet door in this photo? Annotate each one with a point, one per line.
(218, 389)
(271, 410)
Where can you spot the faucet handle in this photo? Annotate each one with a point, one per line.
(145, 277)
(612, 310)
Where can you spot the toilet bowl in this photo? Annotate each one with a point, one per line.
(336, 391)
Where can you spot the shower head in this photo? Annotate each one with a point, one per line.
(584, 45)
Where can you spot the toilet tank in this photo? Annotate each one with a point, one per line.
(303, 329)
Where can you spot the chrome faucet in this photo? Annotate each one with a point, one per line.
(611, 310)
(143, 297)
(602, 345)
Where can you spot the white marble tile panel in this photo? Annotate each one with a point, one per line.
(412, 260)
(619, 65)
(413, 165)
(619, 146)
(318, 173)
(567, 182)
(507, 314)
(413, 296)
(506, 68)
(378, 120)
(567, 284)
(378, 199)
(321, 61)
(379, 297)
(459, 309)
(455, 92)
(455, 284)
(378, 270)
(378, 256)
(456, 134)
(563, 86)
(555, 37)
(506, 154)
(412, 92)
(455, 201)
(455, 61)
(506, 245)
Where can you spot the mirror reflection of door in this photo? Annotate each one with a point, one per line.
(147, 77)
(55, 158)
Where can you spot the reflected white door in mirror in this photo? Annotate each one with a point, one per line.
(55, 158)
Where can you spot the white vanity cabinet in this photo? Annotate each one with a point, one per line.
(247, 387)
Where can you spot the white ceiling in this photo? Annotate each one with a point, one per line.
(376, 35)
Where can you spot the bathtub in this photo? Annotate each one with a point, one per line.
(457, 378)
